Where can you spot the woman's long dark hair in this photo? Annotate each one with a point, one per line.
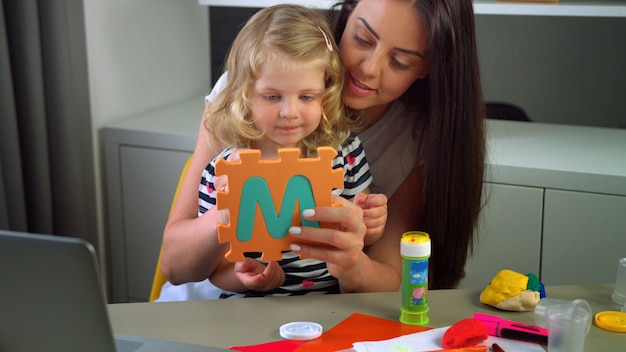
(453, 140)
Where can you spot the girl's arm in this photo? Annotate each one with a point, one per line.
(224, 277)
(248, 275)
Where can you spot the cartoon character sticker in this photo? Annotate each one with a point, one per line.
(418, 295)
(418, 272)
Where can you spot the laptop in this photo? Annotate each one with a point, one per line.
(51, 300)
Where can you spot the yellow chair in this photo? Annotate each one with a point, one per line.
(160, 279)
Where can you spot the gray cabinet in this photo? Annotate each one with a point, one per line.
(584, 236)
(565, 237)
(143, 160)
(509, 234)
(148, 177)
(556, 204)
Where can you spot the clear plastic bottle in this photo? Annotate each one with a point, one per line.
(415, 251)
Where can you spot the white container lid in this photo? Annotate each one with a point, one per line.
(301, 330)
(415, 244)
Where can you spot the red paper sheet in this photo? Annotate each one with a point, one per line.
(358, 327)
(276, 346)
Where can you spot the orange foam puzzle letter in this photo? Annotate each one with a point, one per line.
(266, 197)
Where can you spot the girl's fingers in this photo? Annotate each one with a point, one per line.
(221, 182)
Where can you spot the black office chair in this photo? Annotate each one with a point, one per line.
(506, 111)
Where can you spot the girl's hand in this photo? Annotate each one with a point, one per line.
(258, 277)
(374, 208)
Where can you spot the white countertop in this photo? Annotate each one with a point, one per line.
(587, 159)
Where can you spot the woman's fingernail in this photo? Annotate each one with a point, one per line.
(307, 213)
(295, 230)
(295, 247)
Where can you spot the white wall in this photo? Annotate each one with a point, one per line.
(142, 55)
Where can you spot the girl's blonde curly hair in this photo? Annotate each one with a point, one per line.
(291, 36)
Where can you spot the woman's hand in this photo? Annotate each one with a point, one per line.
(340, 246)
(258, 277)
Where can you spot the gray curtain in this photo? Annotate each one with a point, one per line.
(47, 182)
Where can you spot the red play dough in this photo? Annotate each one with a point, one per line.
(465, 333)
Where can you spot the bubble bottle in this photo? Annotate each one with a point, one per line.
(415, 251)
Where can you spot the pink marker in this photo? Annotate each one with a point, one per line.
(510, 329)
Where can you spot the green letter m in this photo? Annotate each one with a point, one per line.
(255, 190)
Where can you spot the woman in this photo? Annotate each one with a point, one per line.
(412, 70)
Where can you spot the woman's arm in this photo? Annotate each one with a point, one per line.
(379, 267)
(189, 241)
(405, 211)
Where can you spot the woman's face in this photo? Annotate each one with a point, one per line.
(384, 49)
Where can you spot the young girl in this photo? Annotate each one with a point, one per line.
(284, 90)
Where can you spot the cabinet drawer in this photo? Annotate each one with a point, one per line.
(509, 234)
(137, 216)
(584, 236)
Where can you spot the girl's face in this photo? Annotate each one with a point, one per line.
(286, 105)
(384, 49)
